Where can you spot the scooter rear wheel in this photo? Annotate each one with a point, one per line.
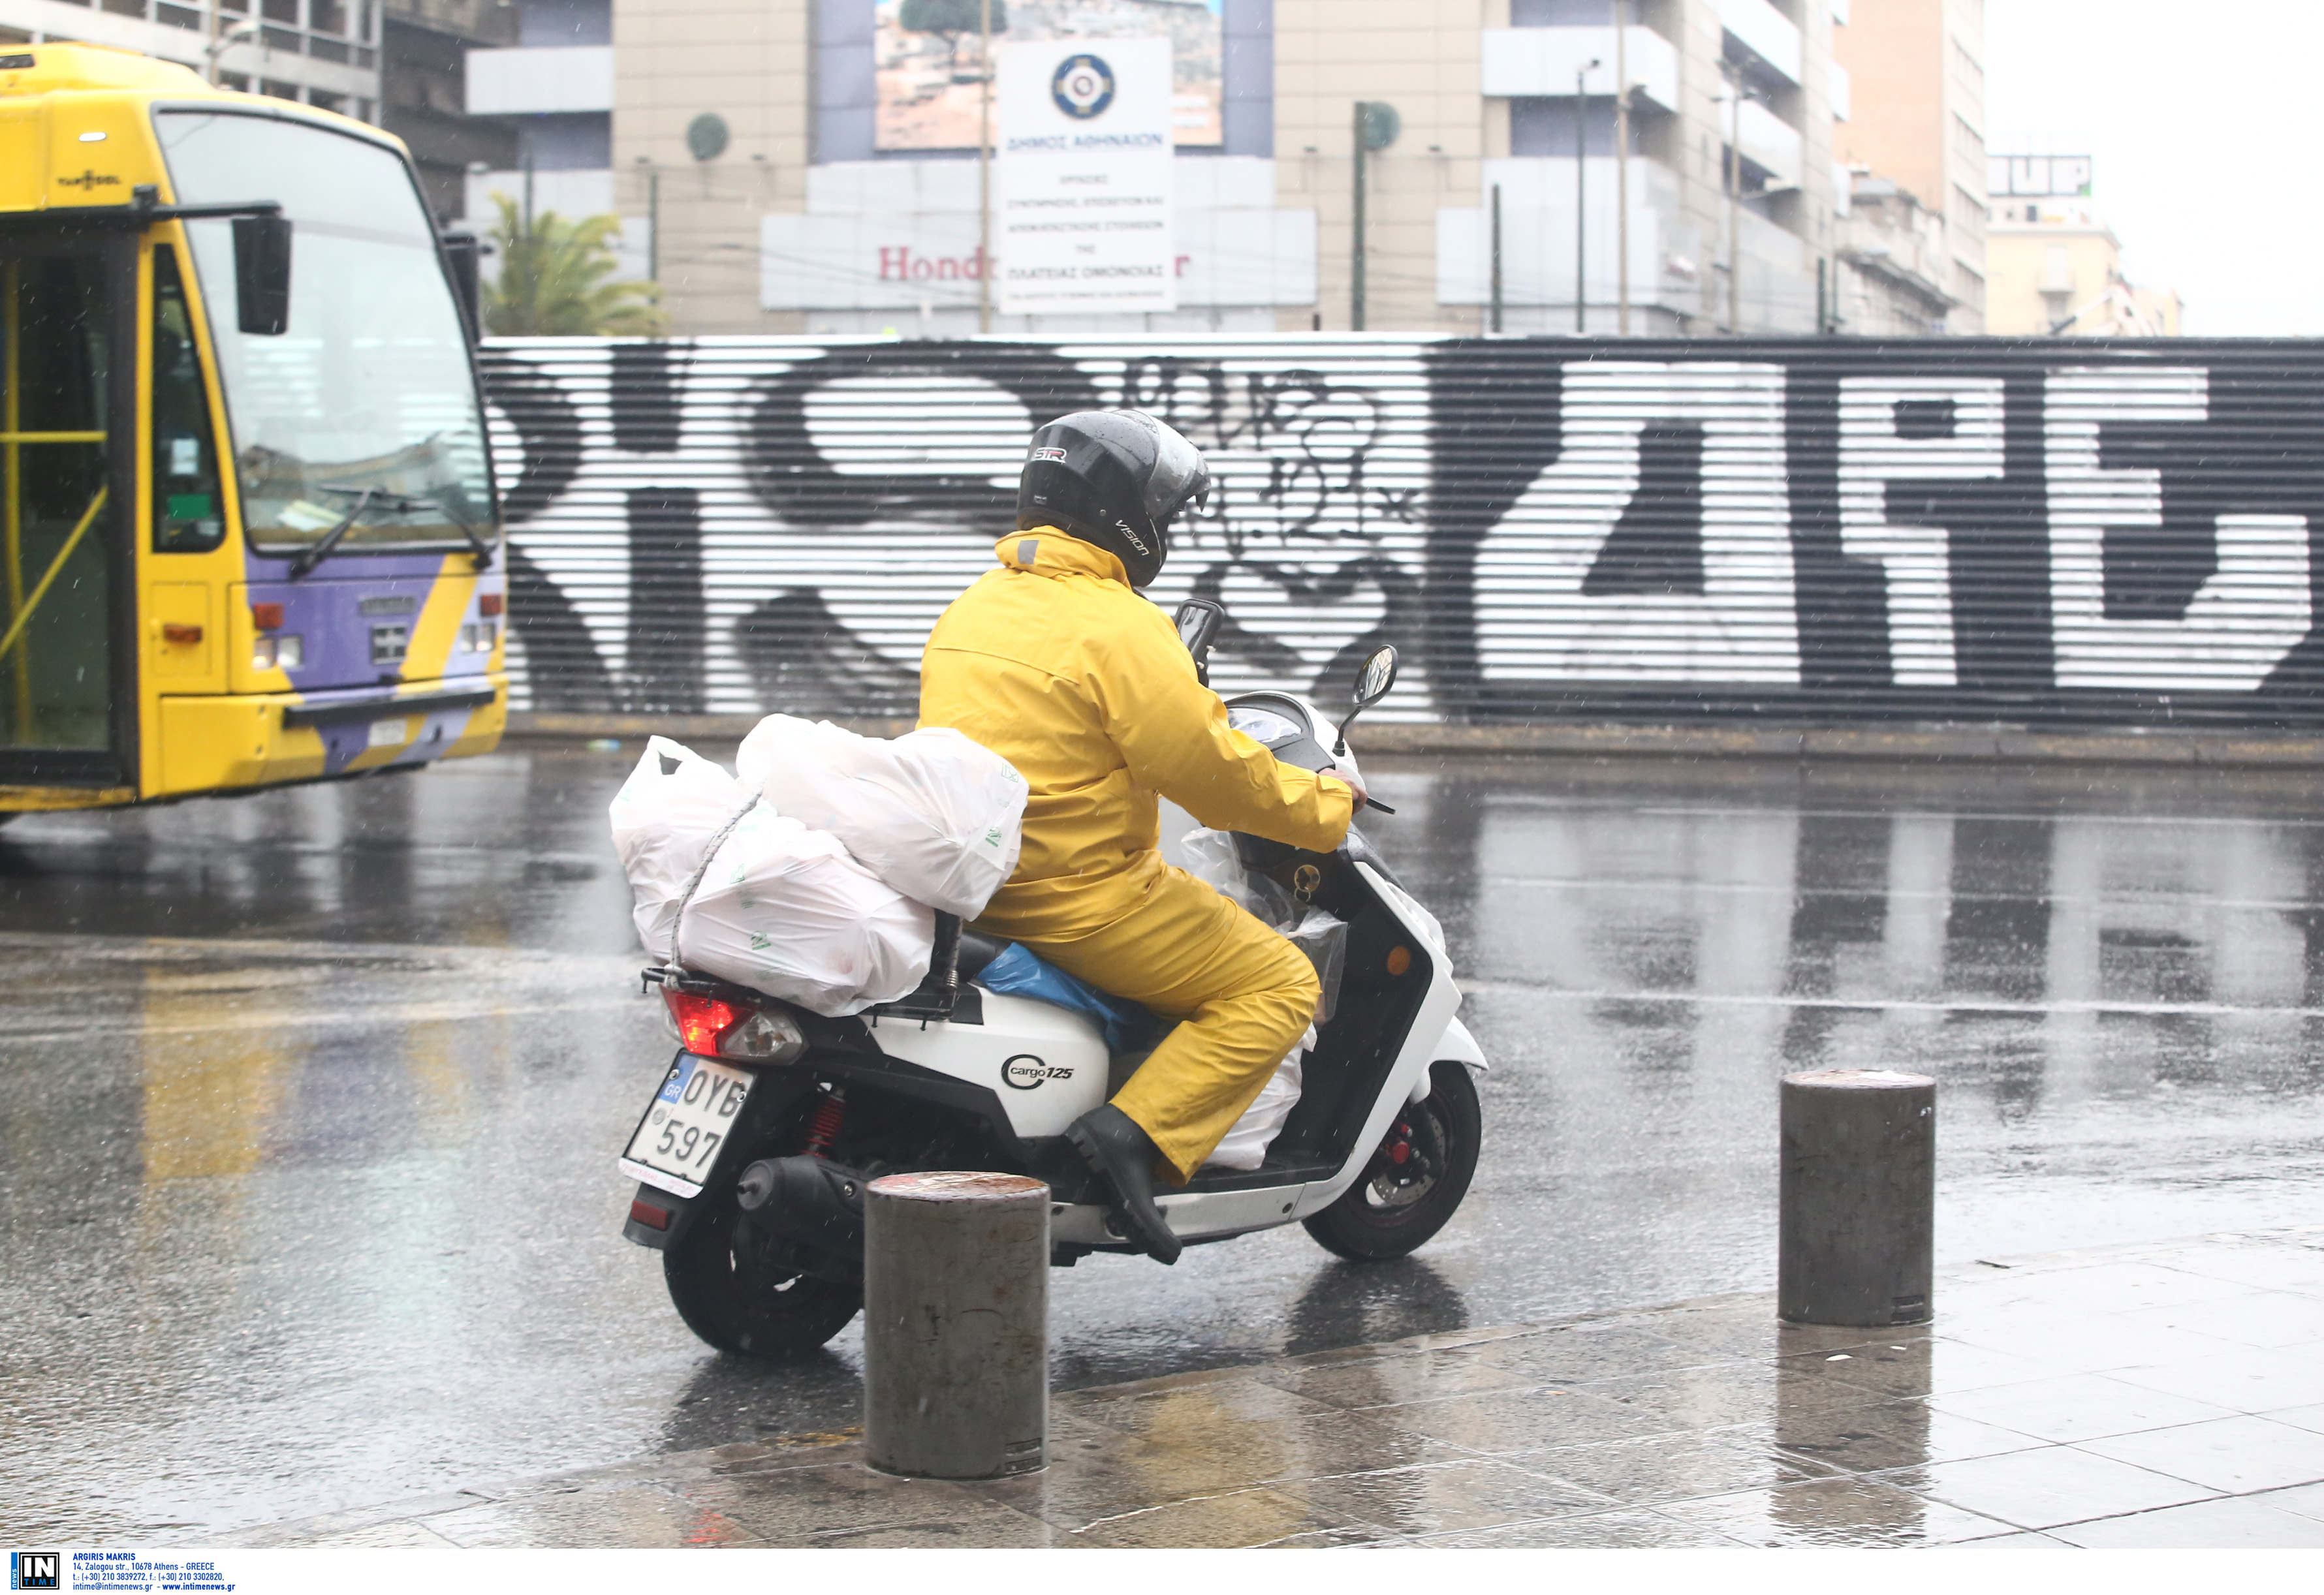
(730, 1297)
(1392, 1209)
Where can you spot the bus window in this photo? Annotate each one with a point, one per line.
(188, 518)
(55, 675)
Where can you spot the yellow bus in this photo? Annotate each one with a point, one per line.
(251, 532)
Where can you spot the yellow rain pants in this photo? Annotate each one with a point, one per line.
(1057, 664)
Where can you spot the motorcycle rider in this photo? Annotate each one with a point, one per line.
(1056, 662)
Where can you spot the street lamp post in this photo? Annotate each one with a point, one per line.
(1622, 168)
(1581, 214)
(221, 41)
(984, 172)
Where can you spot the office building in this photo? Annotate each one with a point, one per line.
(321, 52)
(1917, 71)
(808, 165)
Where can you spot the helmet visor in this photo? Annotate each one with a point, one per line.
(1179, 477)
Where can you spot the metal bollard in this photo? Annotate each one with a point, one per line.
(1858, 1197)
(956, 1324)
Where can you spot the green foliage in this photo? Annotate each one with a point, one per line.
(553, 281)
(950, 17)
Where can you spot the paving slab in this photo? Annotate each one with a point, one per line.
(2117, 1397)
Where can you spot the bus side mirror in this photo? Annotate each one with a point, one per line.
(462, 252)
(262, 274)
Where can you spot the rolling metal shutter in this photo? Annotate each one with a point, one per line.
(1827, 530)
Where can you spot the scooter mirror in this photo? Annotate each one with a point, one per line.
(1198, 620)
(1372, 683)
(1378, 675)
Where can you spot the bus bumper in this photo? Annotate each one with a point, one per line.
(210, 744)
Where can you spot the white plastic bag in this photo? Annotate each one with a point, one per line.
(778, 907)
(1245, 1146)
(1321, 936)
(783, 910)
(663, 819)
(932, 813)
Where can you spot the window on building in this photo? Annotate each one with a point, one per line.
(125, 7)
(328, 17)
(1545, 126)
(280, 10)
(278, 89)
(1968, 141)
(1968, 211)
(180, 16)
(1561, 14)
(327, 100)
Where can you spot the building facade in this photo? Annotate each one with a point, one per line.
(2056, 272)
(1917, 69)
(424, 91)
(841, 195)
(321, 52)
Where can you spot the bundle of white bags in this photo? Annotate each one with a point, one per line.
(813, 877)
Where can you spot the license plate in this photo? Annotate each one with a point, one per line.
(391, 733)
(685, 1125)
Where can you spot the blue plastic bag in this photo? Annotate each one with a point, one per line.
(1128, 1027)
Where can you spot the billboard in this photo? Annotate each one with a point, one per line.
(927, 81)
(2038, 177)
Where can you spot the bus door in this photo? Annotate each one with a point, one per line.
(67, 704)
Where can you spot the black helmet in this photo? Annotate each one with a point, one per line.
(1115, 478)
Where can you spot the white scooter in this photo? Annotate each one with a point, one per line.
(753, 1155)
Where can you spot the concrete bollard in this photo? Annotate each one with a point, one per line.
(1858, 1197)
(956, 1324)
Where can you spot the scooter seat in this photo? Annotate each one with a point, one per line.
(977, 951)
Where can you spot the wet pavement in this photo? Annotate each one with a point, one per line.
(2125, 1397)
(310, 1100)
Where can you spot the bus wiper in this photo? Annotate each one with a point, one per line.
(441, 497)
(402, 504)
(330, 540)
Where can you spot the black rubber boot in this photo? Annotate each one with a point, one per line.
(1112, 1145)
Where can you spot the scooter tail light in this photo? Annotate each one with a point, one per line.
(713, 1027)
(701, 1021)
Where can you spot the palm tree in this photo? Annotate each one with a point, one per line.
(553, 281)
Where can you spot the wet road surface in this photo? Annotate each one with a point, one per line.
(310, 1100)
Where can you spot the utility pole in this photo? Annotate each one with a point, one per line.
(1735, 205)
(653, 223)
(1496, 326)
(1622, 168)
(1581, 211)
(985, 173)
(1356, 249)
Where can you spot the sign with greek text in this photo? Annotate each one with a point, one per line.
(1081, 205)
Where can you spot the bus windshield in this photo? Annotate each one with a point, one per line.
(366, 403)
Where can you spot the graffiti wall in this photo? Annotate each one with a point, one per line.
(1830, 529)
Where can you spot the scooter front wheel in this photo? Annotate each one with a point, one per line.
(1416, 1179)
(740, 1301)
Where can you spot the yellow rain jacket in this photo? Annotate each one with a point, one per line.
(1057, 665)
